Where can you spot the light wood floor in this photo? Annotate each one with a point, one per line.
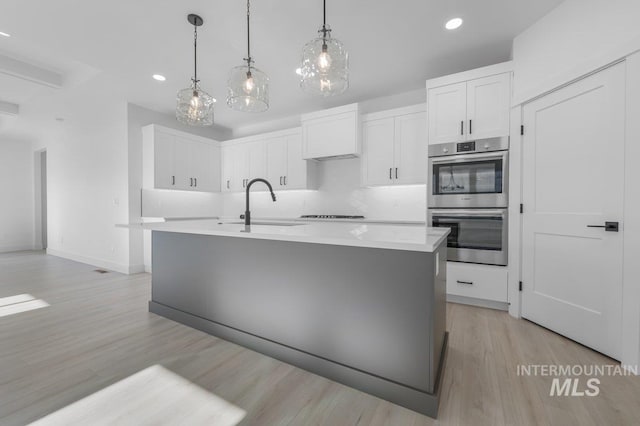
(97, 331)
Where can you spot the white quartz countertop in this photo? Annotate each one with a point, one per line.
(372, 235)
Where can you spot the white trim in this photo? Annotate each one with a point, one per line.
(389, 113)
(100, 263)
(488, 71)
(482, 303)
(30, 72)
(631, 219)
(578, 71)
(11, 249)
(156, 127)
(515, 218)
(330, 112)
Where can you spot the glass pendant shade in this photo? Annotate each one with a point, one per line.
(248, 89)
(325, 65)
(194, 106)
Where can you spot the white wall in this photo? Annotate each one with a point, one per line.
(574, 39)
(339, 193)
(16, 190)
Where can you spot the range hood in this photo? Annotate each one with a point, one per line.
(331, 133)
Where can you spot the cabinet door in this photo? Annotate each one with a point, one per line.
(182, 159)
(240, 167)
(202, 161)
(276, 149)
(296, 175)
(488, 104)
(410, 154)
(256, 161)
(378, 142)
(447, 110)
(163, 152)
(228, 167)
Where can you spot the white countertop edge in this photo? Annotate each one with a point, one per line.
(435, 236)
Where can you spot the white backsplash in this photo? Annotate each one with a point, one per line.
(339, 193)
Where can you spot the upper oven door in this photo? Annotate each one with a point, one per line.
(470, 180)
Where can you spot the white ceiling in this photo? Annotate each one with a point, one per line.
(394, 45)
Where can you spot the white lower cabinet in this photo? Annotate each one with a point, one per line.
(486, 282)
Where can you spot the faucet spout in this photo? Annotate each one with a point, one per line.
(247, 212)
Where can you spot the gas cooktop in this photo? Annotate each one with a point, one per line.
(329, 216)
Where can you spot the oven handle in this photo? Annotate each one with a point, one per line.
(466, 157)
(475, 212)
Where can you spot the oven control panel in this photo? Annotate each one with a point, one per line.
(466, 147)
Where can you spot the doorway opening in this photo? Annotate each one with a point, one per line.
(40, 180)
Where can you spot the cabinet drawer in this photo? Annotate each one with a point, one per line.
(478, 281)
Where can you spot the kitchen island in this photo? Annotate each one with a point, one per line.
(361, 304)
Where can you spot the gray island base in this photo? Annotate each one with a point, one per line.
(370, 318)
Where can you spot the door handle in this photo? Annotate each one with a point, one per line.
(608, 226)
(470, 127)
(465, 282)
(462, 127)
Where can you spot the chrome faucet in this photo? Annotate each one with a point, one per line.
(247, 213)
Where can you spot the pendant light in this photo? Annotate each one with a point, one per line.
(194, 106)
(325, 63)
(248, 87)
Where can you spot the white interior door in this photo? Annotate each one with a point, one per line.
(573, 178)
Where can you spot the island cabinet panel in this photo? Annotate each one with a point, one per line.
(371, 318)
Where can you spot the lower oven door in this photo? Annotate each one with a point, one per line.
(477, 236)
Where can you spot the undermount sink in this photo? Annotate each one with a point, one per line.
(269, 223)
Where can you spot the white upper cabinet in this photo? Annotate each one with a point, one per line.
(488, 102)
(447, 107)
(331, 133)
(180, 161)
(276, 157)
(395, 147)
(379, 140)
(477, 108)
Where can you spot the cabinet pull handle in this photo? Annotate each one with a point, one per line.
(465, 282)
(190, 181)
(227, 183)
(173, 180)
(280, 180)
(285, 180)
(195, 182)
(396, 173)
(390, 174)
(462, 127)
(470, 127)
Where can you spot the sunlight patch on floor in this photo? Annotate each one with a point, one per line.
(20, 303)
(153, 396)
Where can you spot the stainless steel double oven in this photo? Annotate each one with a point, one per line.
(468, 192)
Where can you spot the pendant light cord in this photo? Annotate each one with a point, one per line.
(248, 59)
(324, 24)
(195, 54)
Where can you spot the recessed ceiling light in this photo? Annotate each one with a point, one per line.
(4, 34)
(159, 77)
(454, 23)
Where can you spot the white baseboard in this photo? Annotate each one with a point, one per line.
(9, 249)
(100, 263)
(491, 304)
